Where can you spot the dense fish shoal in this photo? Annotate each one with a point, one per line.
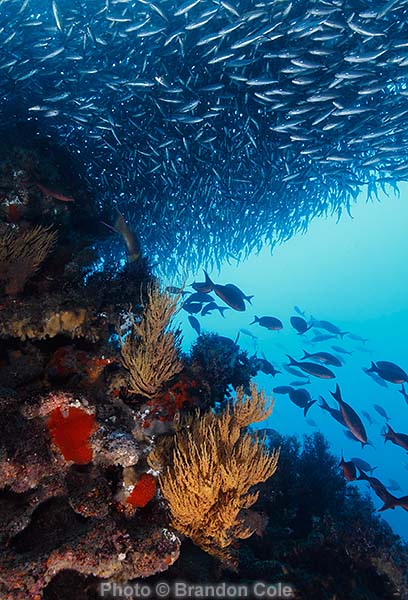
(236, 121)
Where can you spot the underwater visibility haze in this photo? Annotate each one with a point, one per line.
(203, 296)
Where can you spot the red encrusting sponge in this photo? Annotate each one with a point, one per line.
(71, 432)
(143, 492)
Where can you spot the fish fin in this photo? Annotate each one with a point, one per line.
(343, 333)
(256, 320)
(208, 280)
(292, 361)
(305, 355)
(307, 407)
(324, 403)
(249, 298)
(372, 369)
(337, 394)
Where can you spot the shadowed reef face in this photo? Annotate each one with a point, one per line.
(237, 122)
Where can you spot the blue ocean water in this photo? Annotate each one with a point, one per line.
(352, 273)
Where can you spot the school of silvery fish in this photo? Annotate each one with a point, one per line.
(234, 120)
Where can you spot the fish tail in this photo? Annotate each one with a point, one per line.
(363, 475)
(343, 333)
(307, 407)
(292, 361)
(372, 369)
(256, 320)
(208, 280)
(337, 394)
(323, 404)
(305, 355)
(390, 502)
(249, 298)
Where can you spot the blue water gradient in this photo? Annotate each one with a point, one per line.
(353, 273)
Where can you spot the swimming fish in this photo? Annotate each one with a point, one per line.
(351, 418)
(272, 323)
(317, 370)
(324, 357)
(300, 324)
(399, 439)
(388, 371)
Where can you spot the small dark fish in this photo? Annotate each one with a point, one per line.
(295, 372)
(230, 297)
(404, 392)
(300, 325)
(334, 412)
(324, 357)
(192, 307)
(349, 469)
(302, 399)
(240, 292)
(399, 439)
(351, 418)
(261, 364)
(282, 389)
(388, 371)
(300, 383)
(363, 465)
(205, 286)
(381, 411)
(200, 297)
(379, 488)
(341, 350)
(322, 338)
(314, 369)
(375, 378)
(195, 324)
(271, 323)
(208, 308)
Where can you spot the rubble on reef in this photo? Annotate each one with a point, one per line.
(105, 424)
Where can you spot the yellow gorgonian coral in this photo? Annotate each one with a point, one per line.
(215, 465)
(21, 255)
(150, 351)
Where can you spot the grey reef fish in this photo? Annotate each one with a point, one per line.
(330, 327)
(363, 465)
(324, 357)
(388, 371)
(381, 411)
(341, 350)
(271, 323)
(315, 369)
(295, 372)
(300, 382)
(351, 418)
(348, 468)
(399, 439)
(357, 338)
(334, 412)
(378, 380)
(300, 325)
(323, 337)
